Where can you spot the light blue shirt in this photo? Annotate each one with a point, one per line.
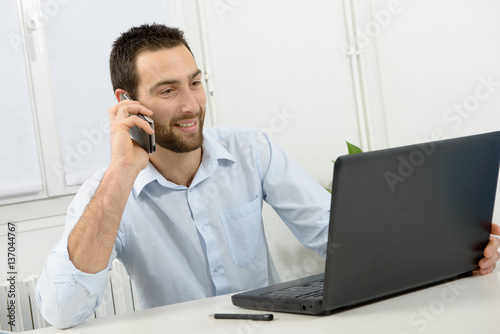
(179, 243)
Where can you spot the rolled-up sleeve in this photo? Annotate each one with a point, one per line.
(67, 296)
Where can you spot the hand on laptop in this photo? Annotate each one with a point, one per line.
(491, 255)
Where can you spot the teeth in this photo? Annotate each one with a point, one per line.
(185, 125)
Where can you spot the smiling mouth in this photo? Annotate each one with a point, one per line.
(185, 125)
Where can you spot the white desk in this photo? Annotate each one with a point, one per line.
(469, 305)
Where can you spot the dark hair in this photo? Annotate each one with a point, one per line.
(126, 48)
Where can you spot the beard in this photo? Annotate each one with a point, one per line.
(166, 137)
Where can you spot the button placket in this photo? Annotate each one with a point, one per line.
(200, 217)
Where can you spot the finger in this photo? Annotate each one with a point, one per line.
(134, 107)
(125, 108)
(132, 121)
(139, 109)
(495, 229)
(489, 260)
(121, 106)
(492, 247)
(486, 271)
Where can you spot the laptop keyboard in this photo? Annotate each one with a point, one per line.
(311, 289)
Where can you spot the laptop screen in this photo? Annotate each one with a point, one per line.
(406, 217)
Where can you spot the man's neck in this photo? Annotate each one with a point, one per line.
(179, 168)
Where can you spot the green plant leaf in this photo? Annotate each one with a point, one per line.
(353, 149)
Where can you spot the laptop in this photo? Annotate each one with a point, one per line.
(401, 219)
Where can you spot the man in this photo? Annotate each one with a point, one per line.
(185, 221)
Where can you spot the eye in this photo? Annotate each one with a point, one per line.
(196, 83)
(166, 92)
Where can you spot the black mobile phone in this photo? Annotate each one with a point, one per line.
(143, 138)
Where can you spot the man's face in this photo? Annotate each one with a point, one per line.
(170, 85)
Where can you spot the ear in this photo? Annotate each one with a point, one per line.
(118, 93)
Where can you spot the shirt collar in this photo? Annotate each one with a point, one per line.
(214, 154)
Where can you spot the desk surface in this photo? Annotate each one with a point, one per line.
(467, 305)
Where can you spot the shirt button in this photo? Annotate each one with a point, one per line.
(216, 270)
(204, 228)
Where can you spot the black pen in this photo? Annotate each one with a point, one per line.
(258, 317)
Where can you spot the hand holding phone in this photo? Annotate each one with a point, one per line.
(143, 138)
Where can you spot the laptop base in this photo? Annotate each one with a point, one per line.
(261, 299)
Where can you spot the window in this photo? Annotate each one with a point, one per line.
(55, 128)
(19, 162)
(79, 39)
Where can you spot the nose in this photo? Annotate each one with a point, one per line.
(188, 102)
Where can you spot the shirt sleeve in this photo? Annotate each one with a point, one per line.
(67, 296)
(300, 201)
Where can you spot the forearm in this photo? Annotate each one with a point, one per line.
(92, 239)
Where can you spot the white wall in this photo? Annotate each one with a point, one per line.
(434, 60)
(39, 225)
